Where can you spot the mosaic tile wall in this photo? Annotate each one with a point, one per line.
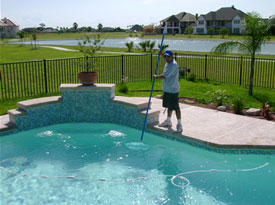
(81, 106)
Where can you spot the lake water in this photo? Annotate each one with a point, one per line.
(174, 44)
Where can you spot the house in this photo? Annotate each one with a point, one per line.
(176, 24)
(8, 29)
(150, 30)
(226, 17)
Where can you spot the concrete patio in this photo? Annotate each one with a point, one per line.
(215, 128)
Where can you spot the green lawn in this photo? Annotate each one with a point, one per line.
(196, 90)
(28, 79)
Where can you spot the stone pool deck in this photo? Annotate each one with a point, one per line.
(208, 127)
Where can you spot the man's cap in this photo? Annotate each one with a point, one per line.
(168, 53)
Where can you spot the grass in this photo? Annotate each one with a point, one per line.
(17, 53)
(27, 79)
(197, 89)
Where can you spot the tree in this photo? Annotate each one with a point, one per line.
(42, 25)
(163, 48)
(189, 31)
(143, 45)
(130, 45)
(257, 35)
(89, 48)
(223, 31)
(152, 45)
(211, 31)
(22, 34)
(34, 37)
(99, 27)
(271, 21)
(75, 25)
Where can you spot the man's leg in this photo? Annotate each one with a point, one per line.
(179, 126)
(178, 114)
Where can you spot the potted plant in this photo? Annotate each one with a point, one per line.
(89, 49)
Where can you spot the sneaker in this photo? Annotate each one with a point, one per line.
(179, 128)
(166, 123)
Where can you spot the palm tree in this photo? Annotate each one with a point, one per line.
(163, 48)
(257, 35)
(143, 45)
(152, 45)
(130, 45)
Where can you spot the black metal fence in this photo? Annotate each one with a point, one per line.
(23, 79)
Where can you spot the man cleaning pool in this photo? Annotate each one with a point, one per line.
(170, 87)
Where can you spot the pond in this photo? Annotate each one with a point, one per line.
(174, 44)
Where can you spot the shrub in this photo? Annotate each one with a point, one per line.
(238, 106)
(130, 45)
(192, 77)
(224, 31)
(123, 88)
(218, 97)
(202, 100)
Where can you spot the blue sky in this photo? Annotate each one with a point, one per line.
(116, 13)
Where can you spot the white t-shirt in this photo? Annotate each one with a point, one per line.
(171, 82)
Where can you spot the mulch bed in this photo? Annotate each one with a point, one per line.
(193, 101)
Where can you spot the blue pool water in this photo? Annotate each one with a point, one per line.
(95, 163)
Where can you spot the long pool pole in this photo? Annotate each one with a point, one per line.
(148, 106)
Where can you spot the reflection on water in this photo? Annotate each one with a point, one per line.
(174, 44)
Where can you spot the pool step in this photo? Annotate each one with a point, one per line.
(15, 113)
(39, 102)
(5, 124)
(133, 101)
(141, 104)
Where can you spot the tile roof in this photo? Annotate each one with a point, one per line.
(223, 14)
(182, 17)
(7, 22)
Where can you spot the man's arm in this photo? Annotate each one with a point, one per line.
(159, 77)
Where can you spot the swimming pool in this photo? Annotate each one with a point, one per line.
(103, 163)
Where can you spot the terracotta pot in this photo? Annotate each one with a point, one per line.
(87, 78)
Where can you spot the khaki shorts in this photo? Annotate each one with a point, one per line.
(171, 101)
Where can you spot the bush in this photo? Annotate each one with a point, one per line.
(218, 97)
(192, 77)
(130, 46)
(202, 100)
(123, 88)
(238, 106)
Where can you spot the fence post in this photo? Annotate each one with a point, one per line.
(122, 75)
(241, 70)
(205, 67)
(175, 56)
(45, 75)
(151, 67)
(87, 64)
